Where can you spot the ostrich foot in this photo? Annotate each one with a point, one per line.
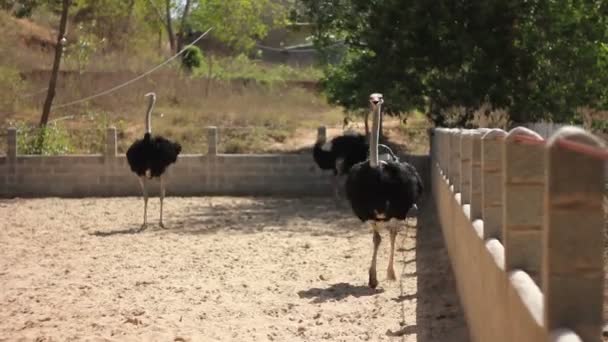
(373, 281)
(163, 226)
(390, 274)
(143, 227)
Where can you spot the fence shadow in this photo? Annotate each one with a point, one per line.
(439, 314)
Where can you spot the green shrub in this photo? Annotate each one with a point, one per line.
(192, 58)
(50, 140)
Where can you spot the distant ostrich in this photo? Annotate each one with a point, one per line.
(149, 158)
(340, 154)
(382, 190)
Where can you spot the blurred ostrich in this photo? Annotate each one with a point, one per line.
(339, 155)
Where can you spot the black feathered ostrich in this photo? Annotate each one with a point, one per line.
(149, 158)
(340, 154)
(379, 191)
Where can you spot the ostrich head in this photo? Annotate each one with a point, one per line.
(375, 100)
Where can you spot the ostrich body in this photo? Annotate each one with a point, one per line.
(149, 158)
(379, 191)
(340, 154)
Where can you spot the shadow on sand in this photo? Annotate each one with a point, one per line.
(438, 313)
(126, 231)
(337, 292)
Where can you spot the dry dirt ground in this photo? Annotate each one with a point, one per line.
(226, 269)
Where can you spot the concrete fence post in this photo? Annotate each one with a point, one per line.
(212, 140)
(466, 154)
(445, 152)
(431, 133)
(491, 183)
(524, 170)
(454, 168)
(475, 184)
(111, 143)
(441, 152)
(573, 235)
(322, 133)
(11, 143)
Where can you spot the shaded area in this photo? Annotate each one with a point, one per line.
(437, 298)
(116, 232)
(338, 291)
(315, 216)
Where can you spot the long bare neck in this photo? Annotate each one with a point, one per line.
(149, 114)
(373, 145)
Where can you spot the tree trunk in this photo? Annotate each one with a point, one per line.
(169, 25)
(182, 26)
(130, 8)
(50, 95)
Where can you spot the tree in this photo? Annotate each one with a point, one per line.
(56, 63)
(182, 25)
(169, 25)
(238, 23)
(538, 59)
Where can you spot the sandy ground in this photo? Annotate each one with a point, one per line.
(227, 269)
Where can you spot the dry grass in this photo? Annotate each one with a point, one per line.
(268, 112)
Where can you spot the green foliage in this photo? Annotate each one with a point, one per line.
(86, 45)
(238, 22)
(536, 59)
(192, 58)
(12, 87)
(242, 67)
(49, 140)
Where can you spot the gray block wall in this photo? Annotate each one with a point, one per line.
(192, 175)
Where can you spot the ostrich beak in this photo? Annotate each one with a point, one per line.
(376, 99)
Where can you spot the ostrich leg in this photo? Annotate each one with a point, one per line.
(162, 197)
(390, 272)
(336, 189)
(373, 281)
(142, 182)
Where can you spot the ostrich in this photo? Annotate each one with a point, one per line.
(339, 155)
(379, 191)
(149, 158)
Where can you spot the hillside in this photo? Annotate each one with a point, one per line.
(259, 107)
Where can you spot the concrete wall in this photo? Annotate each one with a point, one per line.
(209, 174)
(527, 248)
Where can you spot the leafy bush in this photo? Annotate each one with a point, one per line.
(244, 68)
(50, 140)
(192, 58)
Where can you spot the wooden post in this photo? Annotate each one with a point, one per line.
(573, 235)
(11, 143)
(322, 133)
(524, 170)
(111, 143)
(466, 154)
(212, 140)
(491, 183)
(454, 169)
(475, 184)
